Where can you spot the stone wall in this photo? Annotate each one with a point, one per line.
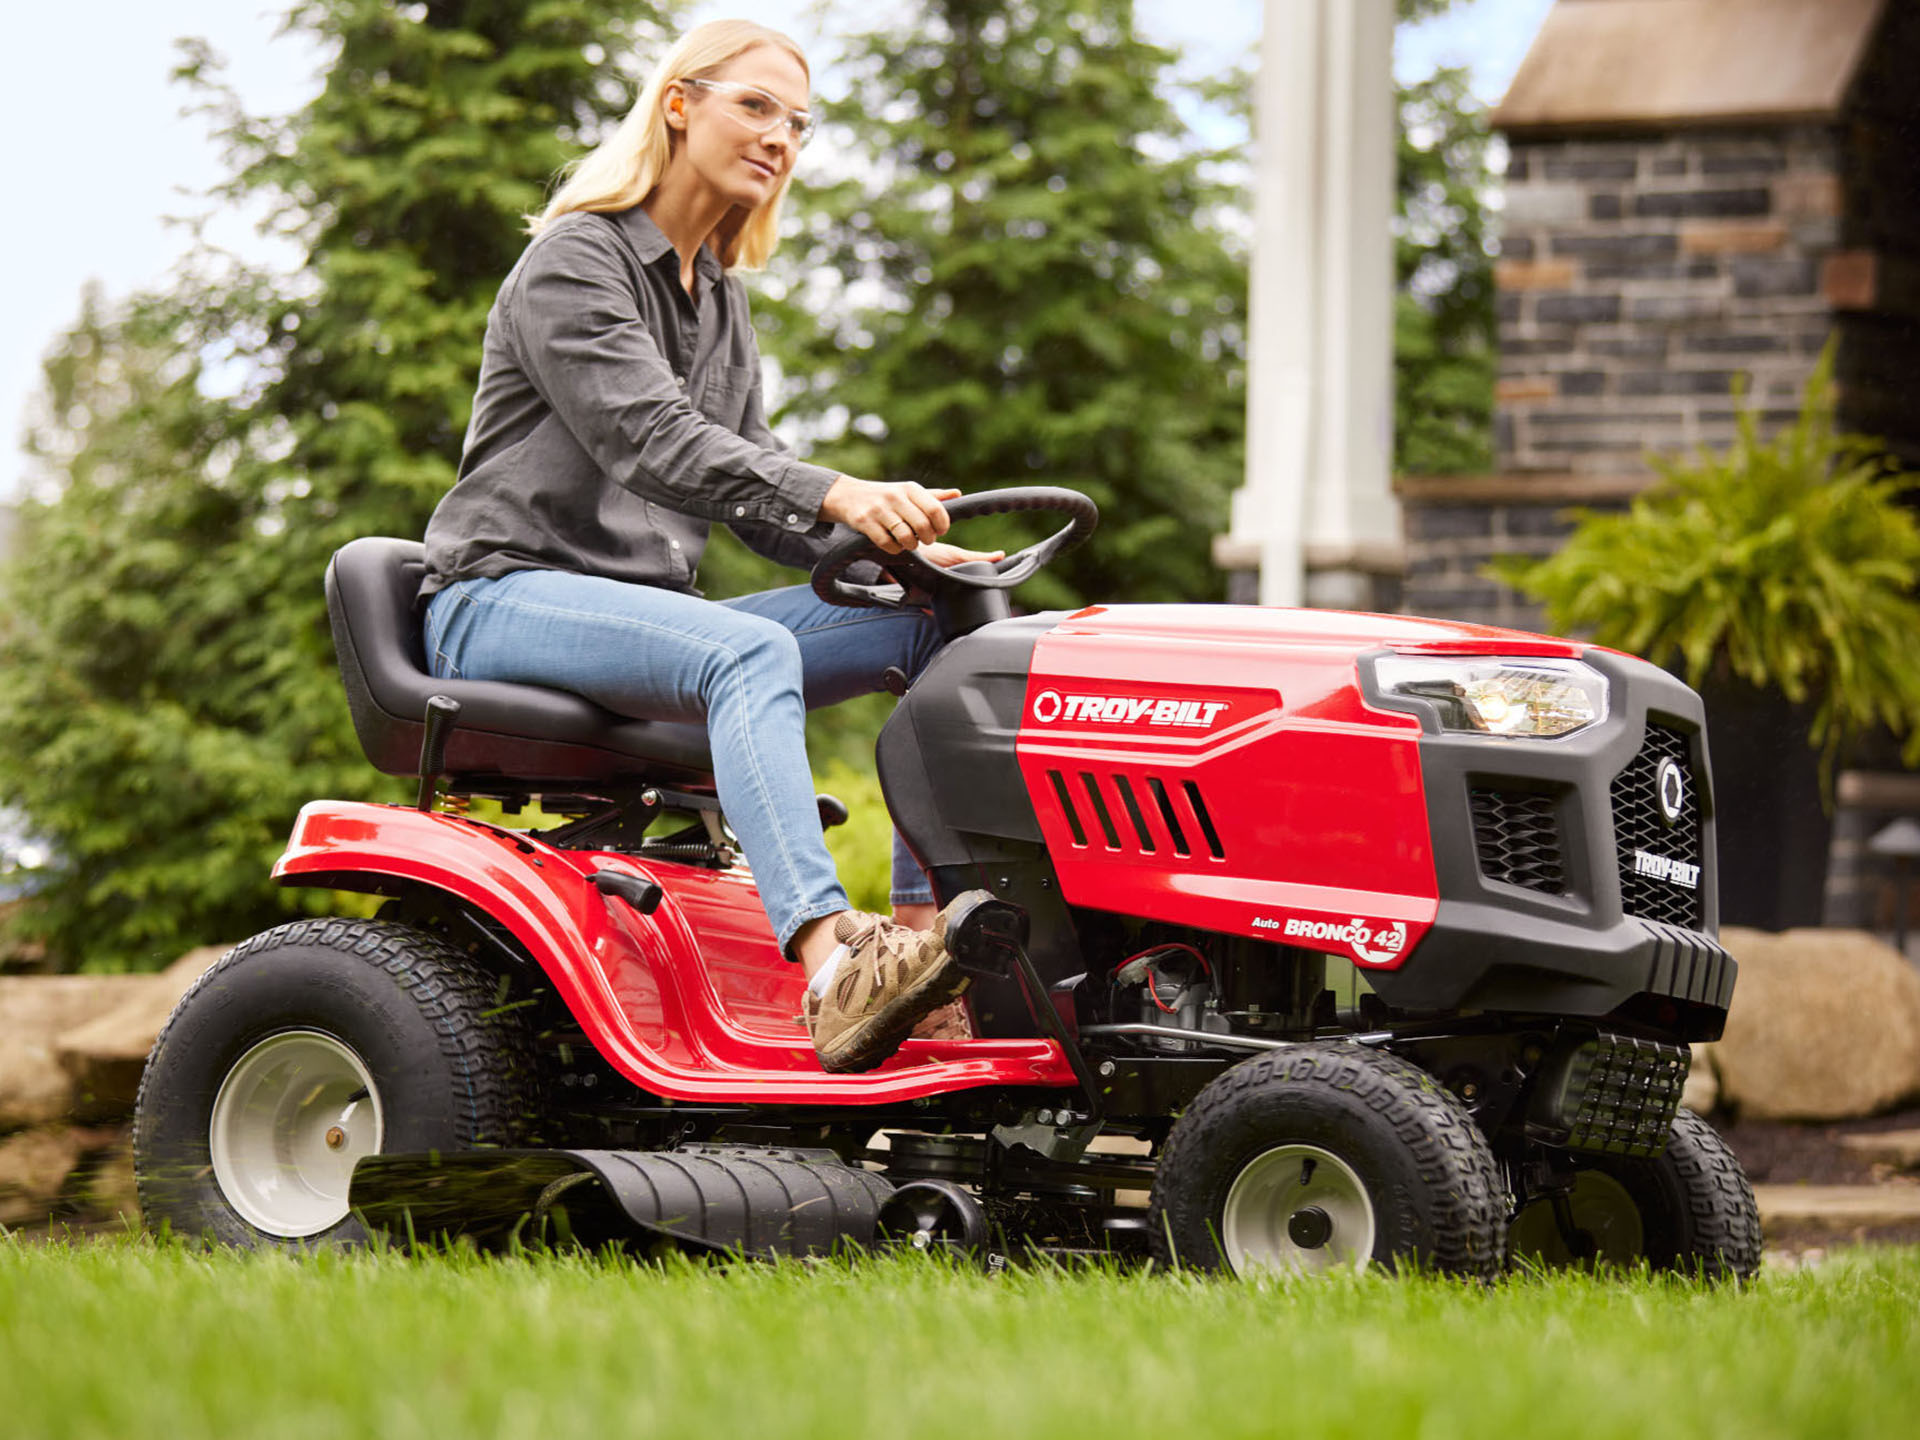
(1639, 278)
(1455, 525)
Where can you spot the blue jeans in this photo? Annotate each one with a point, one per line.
(748, 668)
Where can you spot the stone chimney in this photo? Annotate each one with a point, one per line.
(1698, 191)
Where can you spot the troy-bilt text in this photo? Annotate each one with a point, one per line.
(1051, 705)
(1676, 872)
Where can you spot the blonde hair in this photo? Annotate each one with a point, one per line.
(625, 167)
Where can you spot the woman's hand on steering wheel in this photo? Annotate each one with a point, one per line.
(939, 568)
(946, 556)
(895, 516)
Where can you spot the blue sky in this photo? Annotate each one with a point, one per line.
(98, 154)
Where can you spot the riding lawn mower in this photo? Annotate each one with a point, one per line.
(1297, 939)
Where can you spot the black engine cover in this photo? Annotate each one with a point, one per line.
(946, 757)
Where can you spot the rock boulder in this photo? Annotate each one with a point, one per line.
(34, 1166)
(34, 1011)
(67, 1174)
(1702, 1095)
(1825, 1025)
(105, 1055)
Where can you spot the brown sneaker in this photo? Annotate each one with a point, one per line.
(950, 1022)
(890, 978)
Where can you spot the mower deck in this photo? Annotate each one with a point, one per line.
(759, 1203)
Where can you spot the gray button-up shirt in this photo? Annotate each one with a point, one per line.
(617, 416)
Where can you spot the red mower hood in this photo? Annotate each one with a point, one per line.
(1256, 625)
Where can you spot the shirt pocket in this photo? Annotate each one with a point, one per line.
(722, 393)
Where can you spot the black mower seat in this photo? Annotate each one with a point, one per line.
(537, 738)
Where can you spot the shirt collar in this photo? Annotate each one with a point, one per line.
(651, 244)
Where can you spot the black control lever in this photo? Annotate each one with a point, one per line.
(988, 937)
(643, 895)
(443, 713)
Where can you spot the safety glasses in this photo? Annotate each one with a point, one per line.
(759, 110)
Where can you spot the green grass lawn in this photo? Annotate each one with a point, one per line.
(132, 1339)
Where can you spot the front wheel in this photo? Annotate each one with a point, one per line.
(1688, 1209)
(304, 1049)
(1325, 1155)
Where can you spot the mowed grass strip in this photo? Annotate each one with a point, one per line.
(126, 1339)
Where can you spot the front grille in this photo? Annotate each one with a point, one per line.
(1610, 1095)
(1517, 836)
(1641, 829)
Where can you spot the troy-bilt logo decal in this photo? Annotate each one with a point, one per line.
(1660, 867)
(1374, 944)
(1051, 705)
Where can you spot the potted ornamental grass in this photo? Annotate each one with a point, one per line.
(1778, 577)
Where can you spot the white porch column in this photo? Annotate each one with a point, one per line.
(1316, 514)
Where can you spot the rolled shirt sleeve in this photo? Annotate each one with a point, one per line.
(778, 543)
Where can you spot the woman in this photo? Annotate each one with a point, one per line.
(618, 413)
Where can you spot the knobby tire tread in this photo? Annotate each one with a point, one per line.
(1723, 1220)
(1468, 1194)
(491, 1054)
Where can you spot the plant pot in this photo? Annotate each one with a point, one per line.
(1771, 821)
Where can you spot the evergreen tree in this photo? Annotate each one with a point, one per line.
(166, 675)
(127, 690)
(1031, 285)
(1443, 355)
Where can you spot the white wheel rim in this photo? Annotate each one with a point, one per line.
(1290, 1195)
(291, 1119)
(1601, 1208)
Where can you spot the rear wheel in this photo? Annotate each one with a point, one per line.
(1327, 1155)
(304, 1049)
(1689, 1209)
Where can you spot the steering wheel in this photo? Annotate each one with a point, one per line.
(911, 572)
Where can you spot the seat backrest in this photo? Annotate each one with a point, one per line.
(535, 737)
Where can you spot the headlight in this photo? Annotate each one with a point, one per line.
(1494, 696)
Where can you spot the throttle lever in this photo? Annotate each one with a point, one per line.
(643, 895)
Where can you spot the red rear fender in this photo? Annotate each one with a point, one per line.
(538, 893)
(693, 1002)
